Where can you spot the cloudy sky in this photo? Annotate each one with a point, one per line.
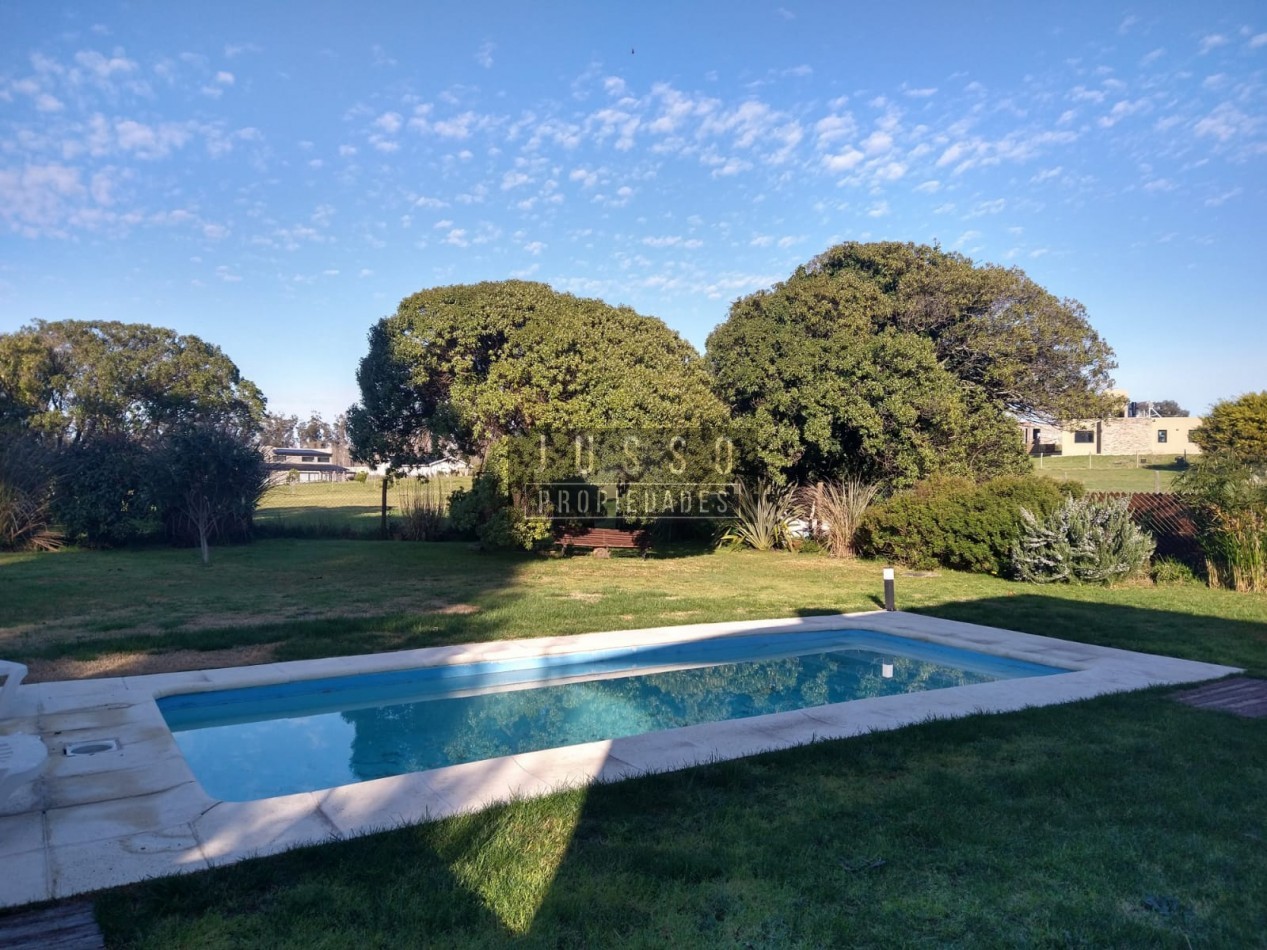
(276, 177)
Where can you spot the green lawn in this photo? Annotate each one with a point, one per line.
(1125, 473)
(1123, 821)
(352, 507)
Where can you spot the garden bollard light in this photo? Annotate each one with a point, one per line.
(888, 589)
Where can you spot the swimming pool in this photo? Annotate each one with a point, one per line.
(277, 739)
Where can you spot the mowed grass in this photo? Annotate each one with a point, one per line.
(352, 507)
(323, 598)
(1125, 821)
(1120, 473)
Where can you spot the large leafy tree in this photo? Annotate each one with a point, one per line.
(1030, 352)
(465, 366)
(74, 380)
(1236, 427)
(824, 393)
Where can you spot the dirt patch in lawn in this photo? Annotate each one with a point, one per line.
(139, 664)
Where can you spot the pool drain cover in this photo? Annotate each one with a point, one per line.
(92, 747)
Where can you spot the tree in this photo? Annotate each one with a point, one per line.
(1031, 353)
(824, 394)
(465, 366)
(207, 484)
(73, 380)
(1167, 408)
(1237, 427)
(278, 430)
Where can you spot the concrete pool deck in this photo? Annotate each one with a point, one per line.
(95, 821)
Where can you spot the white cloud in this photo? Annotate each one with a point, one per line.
(878, 210)
(843, 161)
(1258, 40)
(225, 78)
(928, 187)
(1121, 110)
(534, 247)
(761, 240)
(514, 180)
(389, 122)
(484, 55)
(47, 102)
(1224, 123)
(457, 237)
(148, 141)
(920, 93)
(1212, 42)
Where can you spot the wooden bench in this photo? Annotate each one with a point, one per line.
(595, 538)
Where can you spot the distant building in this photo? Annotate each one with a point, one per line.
(1128, 434)
(310, 465)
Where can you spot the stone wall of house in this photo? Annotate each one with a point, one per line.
(1139, 436)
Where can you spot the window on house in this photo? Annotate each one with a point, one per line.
(1161, 435)
(1084, 435)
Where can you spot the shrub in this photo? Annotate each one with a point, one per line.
(27, 470)
(206, 486)
(103, 494)
(1169, 571)
(838, 507)
(763, 517)
(360, 477)
(1084, 540)
(1229, 497)
(957, 523)
(488, 512)
(422, 515)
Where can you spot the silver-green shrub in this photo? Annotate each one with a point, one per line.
(1085, 540)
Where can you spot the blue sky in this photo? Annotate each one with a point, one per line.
(276, 177)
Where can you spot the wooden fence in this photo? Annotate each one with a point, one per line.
(1168, 519)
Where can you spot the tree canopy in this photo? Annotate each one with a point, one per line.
(1237, 427)
(825, 393)
(73, 380)
(465, 365)
(1031, 353)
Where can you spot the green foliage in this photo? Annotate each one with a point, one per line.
(360, 477)
(1238, 427)
(762, 517)
(836, 510)
(27, 470)
(104, 492)
(488, 512)
(464, 366)
(1032, 353)
(74, 380)
(206, 486)
(1085, 540)
(422, 515)
(1169, 571)
(1229, 497)
(859, 364)
(959, 524)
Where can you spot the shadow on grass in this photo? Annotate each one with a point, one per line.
(1207, 639)
(1125, 820)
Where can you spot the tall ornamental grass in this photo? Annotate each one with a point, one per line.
(1229, 496)
(836, 509)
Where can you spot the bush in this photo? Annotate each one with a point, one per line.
(1229, 497)
(360, 477)
(763, 517)
(206, 486)
(1169, 571)
(103, 494)
(421, 516)
(27, 469)
(487, 512)
(959, 524)
(1085, 540)
(838, 508)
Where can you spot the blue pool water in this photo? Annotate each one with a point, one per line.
(261, 741)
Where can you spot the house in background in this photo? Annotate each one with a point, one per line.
(310, 465)
(441, 466)
(1128, 434)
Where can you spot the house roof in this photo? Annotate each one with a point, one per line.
(295, 450)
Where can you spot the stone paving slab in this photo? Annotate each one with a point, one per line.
(113, 818)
